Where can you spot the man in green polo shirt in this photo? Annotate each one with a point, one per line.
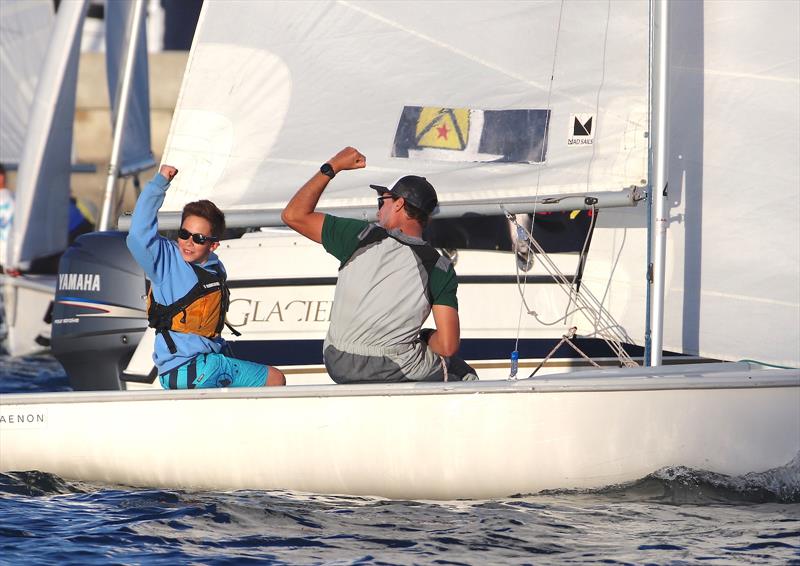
(390, 280)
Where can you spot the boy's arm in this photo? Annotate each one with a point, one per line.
(146, 246)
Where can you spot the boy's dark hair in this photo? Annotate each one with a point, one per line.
(415, 213)
(208, 210)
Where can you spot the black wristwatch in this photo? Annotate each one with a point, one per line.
(326, 169)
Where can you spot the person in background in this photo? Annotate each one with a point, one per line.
(80, 221)
(188, 296)
(6, 220)
(389, 281)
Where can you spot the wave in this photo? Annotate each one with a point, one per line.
(32, 374)
(680, 485)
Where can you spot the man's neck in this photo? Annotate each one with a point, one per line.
(410, 228)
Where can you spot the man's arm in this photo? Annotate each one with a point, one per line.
(300, 213)
(445, 340)
(143, 239)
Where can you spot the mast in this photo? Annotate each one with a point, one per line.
(123, 100)
(660, 181)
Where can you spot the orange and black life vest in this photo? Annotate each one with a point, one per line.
(200, 311)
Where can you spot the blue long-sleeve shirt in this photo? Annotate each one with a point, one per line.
(171, 277)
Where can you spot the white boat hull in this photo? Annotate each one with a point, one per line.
(25, 302)
(415, 441)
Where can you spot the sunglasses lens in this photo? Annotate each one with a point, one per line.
(184, 234)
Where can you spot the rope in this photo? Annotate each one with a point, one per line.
(588, 302)
(605, 326)
(513, 372)
(568, 339)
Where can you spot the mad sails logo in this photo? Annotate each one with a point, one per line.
(581, 129)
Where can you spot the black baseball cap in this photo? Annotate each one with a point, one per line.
(415, 190)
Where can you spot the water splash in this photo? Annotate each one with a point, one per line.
(680, 485)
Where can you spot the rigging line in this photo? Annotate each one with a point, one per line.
(597, 98)
(585, 299)
(614, 267)
(538, 171)
(582, 256)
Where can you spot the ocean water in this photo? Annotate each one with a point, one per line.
(674, 516)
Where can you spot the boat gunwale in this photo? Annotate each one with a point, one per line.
(609, 380)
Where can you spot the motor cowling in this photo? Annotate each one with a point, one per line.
(99, 313)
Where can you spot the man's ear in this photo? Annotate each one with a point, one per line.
(214, 246)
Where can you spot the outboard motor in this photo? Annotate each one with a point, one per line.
(99, 313)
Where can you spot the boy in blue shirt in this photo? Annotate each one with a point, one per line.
(188, 297)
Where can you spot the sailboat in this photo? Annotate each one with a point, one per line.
(40, 225)
(273, 89)
(27, 28)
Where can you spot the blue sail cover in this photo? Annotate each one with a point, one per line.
(136, 153)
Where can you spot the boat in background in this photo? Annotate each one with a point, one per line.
(273, 89)
(27, 28)
(41, 220)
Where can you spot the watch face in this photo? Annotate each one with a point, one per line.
(326, 169)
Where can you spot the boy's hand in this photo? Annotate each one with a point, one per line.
(168, 172)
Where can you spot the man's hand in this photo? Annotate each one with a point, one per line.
(168, 172)
(348, 158)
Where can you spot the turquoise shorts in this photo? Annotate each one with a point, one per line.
(215, 370)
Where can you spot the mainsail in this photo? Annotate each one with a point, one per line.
(490, 100)
(273, 89)
(43, 183)
(26, 29)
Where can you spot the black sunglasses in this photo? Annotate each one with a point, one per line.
(381, 199)
(201, 239)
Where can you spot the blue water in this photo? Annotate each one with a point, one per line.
(674, 516)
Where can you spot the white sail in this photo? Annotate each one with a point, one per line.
(733, 242)
(734, 179)
(26, 29)
(273, 89)
(43, 183)
(136, 154)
